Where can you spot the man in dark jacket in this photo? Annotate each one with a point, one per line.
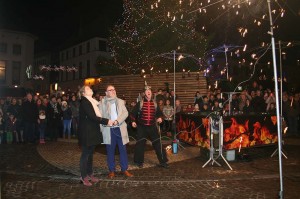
(30, 117)
(54, 118)
(89, 134)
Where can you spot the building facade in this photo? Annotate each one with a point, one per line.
(84, 57)
(16, 54)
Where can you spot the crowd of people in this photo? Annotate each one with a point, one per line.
(254, 99)
(37, 118)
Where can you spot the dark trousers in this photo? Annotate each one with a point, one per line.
(168, 125)
(53, 127)
(29, 131)
(116, 139)
(75, 122)
(293, 125)
(144, 132)
(86, 161)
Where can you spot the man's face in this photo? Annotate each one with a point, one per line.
(110, 92)
(14, 101)
(148, 93)
(53, 100)
(29, 97)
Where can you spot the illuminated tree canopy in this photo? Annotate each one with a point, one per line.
(150, 28)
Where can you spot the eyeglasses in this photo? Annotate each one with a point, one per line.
(111, 90)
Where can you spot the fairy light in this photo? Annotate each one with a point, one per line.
(258, 23)
(282, 11)
(180, 57)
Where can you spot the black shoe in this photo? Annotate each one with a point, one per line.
(139, 165)
(163, 165)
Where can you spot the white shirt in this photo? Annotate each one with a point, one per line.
(113, 112)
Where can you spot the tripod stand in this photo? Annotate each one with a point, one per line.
(212, 149)
(280, 134)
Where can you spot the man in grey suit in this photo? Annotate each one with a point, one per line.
(114, 108)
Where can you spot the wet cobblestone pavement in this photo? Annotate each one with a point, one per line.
(51, 171)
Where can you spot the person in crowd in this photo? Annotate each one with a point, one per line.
(198, 99)
(2, 102)
(30, 117)
(168, 112)
(258, 103)
(178, 107)
(196, 108)
(7, 103)
(211, 100)
(172, 93)
(205, 101)
(64, 98)
(74, 105)
(16, 110)
(11, 129)
(189, 108)
(219, 97)
(216, 106)
(54, 118)
(67, 119)
(234, 103)
(272, 109)
(144, 116)
(114, 108)
(89, 133)
(140, 96)
(159, 96)
(42, 120)
(248, 108)
(270, 99)
(35, 98)
(60, 124)
(291, 108)
(168, 97)
(242, 99)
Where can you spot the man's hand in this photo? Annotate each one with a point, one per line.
(159, 120)
(115, 122)
(110, 123)
(133, 124)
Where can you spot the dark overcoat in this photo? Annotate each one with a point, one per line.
(89, 124)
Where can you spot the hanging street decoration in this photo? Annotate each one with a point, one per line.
(58, 68)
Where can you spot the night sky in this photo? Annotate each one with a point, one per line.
(57, 21)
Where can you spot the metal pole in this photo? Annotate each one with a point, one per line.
(174, 108)
(227, 70)
(280, 62)
(277, 100)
